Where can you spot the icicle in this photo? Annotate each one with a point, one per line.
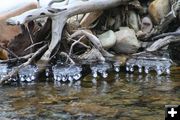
(94, 73)
(131, 68)
(22, 79)
(158, 70)
(58, 78)
(47, 72)
(116, 66)
(32, 77)
(117, 69)
(55, 77)
(104, 74)
(28, 79)
(168, 71)
(70, 78)
(146, 69)
(127, 68)
(139, 69)
(64, 78)
(77, 76)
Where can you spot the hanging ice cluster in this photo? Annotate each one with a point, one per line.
(101, 68)
(27, 73)
(116, 66)
(3, 70)
(66, 72)
(148, 63)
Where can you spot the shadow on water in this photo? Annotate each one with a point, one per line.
(119, 96)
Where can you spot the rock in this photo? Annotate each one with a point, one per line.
(3, 54)
(158, 9)
(146, 25)
(126, 41)
(133, 20)
(108, 39)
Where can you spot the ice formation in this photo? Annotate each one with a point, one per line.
(149, 62)
(27, 73)
(66, 72)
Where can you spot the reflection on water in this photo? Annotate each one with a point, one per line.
(119, 96)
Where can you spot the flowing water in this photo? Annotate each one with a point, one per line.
(121, 95)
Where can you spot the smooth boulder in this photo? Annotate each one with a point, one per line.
(126, 41)
(158, 9)
(108, 39)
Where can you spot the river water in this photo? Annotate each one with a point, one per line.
(120, 96)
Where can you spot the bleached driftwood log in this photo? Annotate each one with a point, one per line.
(60, 15)
(162, 43)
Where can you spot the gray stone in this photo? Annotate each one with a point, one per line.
(108, 39)
(126, 41)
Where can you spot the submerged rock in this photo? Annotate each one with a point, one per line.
(108, 39)
(88, 109)
(158, 9)
(126, 41)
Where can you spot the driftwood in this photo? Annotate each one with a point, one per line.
(59, 17)
(163, 42)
